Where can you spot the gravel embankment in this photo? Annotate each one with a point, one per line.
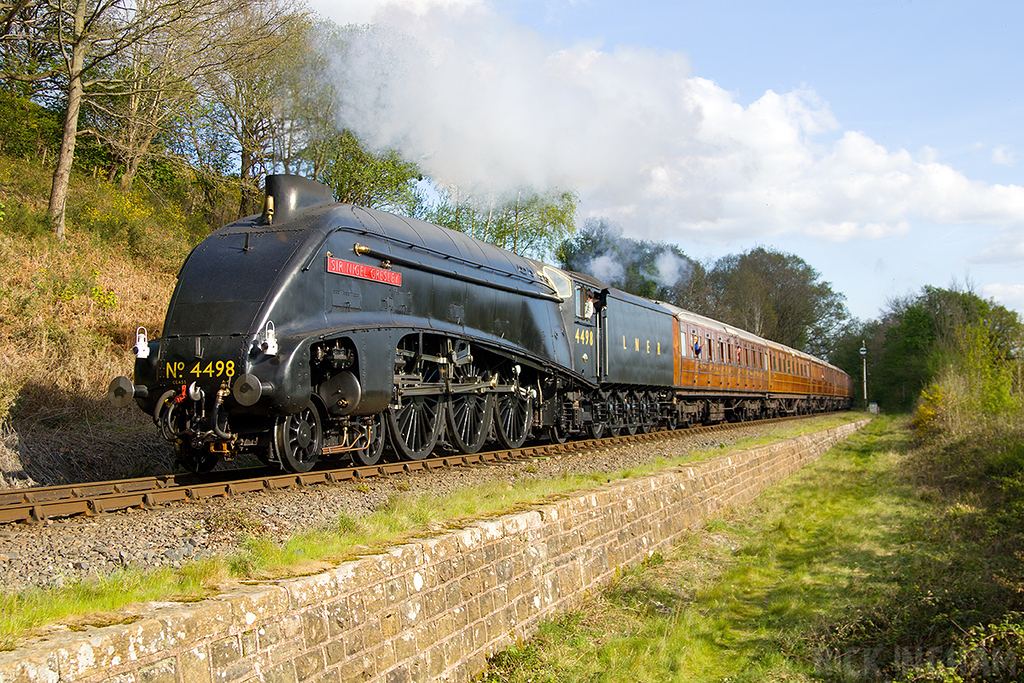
(59, 551)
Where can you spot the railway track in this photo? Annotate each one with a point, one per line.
(36, 505)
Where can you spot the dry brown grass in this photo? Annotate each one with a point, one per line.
(68, 315)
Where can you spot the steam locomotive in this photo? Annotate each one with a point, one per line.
(325, 330)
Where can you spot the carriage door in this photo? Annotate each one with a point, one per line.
(585, 333)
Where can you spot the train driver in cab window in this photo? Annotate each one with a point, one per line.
(588, 305)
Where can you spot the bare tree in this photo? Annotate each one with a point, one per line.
(305, 122)
(151, 86)
(162, 76)
(135, 60)
(240, 103)
(92, 38)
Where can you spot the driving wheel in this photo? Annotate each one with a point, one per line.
(297, 438)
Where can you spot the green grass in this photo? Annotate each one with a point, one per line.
(849, 571)
(261, 557)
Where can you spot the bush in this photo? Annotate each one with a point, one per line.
(26, 129)
(975, 385)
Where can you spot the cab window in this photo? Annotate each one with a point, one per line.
(586, 302)
(558, 281)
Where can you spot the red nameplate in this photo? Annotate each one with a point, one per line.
(390, 277)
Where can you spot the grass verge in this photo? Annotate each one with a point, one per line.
(261, 557)
(857, 569)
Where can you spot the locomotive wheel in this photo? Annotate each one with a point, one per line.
(416, 426)
(602, 410)
(298, 438)
(556, 434)
(648, 412)
(513, 419)
(197, 460)
(631, 414)
(615, 412)
(469, 420)
(371, 454)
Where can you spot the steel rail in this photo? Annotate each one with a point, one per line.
(36, 505)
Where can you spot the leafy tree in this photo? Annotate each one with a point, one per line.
(531, 224)
(921, 337)
(377, 181)
(26, 128)
(844, 352)
(778, 296)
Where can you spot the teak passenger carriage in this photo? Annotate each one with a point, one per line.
(325, 330)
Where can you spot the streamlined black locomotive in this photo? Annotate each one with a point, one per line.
(326, 330)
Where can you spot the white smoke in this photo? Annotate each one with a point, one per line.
(671, 269)
(485, 104)
(606, 269)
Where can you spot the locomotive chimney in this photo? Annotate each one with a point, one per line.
(288, 195)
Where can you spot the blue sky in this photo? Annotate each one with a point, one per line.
(881, 142)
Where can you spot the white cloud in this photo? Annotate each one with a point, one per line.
(1007, 250)
(1003, 156)
(486, 104)
(1010, 296)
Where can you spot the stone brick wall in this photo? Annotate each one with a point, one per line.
(429, 610)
